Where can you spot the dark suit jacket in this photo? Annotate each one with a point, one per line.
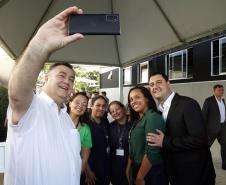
(185, 145)
(211, 115)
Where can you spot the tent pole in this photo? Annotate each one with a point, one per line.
(121, 84)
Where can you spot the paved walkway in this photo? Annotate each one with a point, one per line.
(215, 150)
(221, 174)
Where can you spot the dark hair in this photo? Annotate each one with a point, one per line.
(98, 97)
(151, 103)
(83, 118)
(104, 93)
(159, 73)
(61, 64)
(217, 86)
(118, 103)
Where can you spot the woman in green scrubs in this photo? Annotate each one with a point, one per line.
(145, 163)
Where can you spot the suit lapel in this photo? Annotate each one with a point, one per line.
(215, 101)
(216, 104)
(173, 105)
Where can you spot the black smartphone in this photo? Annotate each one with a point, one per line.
(94, 24)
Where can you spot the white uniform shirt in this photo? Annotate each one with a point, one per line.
(221, 109)
(164, 108)
(43, 148)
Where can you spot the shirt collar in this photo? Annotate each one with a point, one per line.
(218, 100)
(167, 103)
(51, 102)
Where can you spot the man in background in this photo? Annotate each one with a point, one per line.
(214, 115)
(104, 94)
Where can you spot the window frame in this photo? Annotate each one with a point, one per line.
(183, 70)
(219, 57)
(124, 75)
(140, 77)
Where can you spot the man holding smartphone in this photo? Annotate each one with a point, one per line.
(43, 148)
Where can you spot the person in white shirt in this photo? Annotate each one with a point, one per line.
(42, 146)
(214, 115)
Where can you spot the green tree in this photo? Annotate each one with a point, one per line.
(93, 75)
(80, 71)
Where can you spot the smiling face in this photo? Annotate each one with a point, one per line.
(117, 112)
(78, 105)
(138, 102)
(159, 88)
(98, 108)
(59, 83)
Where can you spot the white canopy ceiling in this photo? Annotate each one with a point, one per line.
(148, 27)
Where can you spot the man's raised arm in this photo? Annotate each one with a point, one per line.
(52, 36)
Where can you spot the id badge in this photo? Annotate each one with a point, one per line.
(119, 152)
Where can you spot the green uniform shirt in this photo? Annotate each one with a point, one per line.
(137, 140)
(85, 136)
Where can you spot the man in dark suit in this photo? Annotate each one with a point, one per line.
(185, 148)
(214, 115)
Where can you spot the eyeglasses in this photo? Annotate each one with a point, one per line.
(80, 104)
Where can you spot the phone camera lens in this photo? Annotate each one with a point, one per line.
(112, 18)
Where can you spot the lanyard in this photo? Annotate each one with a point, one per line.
(104, 130)
(121, 131)
(106, 134)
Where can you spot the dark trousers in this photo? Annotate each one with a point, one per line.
(221, 138)
(99, 180)
(156, 176)
(83, 179)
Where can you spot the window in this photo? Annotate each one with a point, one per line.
(127, 75)
(218, 57)
(143, 72)
(179, 64)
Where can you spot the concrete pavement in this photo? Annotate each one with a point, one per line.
(220, 174)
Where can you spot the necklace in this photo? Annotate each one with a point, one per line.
(76, 124)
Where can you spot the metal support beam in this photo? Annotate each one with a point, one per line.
(40, 21)
(121, 84)
(168, 21)
(116, 41)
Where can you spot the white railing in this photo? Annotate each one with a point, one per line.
(2, 157)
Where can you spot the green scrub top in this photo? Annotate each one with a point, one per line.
(85, 136)
(137, 140)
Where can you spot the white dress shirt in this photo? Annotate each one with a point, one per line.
(164, 108)
(221, 107)
(43, 148)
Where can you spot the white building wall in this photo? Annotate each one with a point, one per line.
(197, 90)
